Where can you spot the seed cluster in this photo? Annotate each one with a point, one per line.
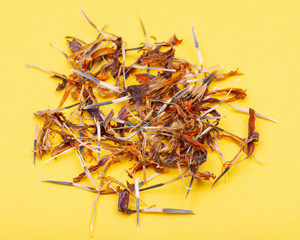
(169, 119)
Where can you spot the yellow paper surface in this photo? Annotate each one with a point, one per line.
(260, 201)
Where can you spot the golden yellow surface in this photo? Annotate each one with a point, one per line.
(260, 201)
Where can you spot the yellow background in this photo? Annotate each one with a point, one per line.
(260, 201)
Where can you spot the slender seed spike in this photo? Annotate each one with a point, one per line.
(36, 134)
(93, 92)
(197, 46)
(239, 109)
(208, 80)
(167, 210)
(136, 132)
(88, 188)
(129, 123)
(80, 186)
(181, 94)
(132, 49)
(231, 164)
(174, 210)
(124, 75)
(86, 170)
(221, 175)
(73, 105)
(144, 155)
(98, 136)
(153, 186)
(200, 90)
(140, 184)
(144, 30)
(58, 182)
(95, 80)
(97, 65)
(162, 184)
(68, 150)
(137, 194)
(154, 175)
(172, 99)
(81, 148)
(117, 100)
(190, 187)
(152, 210)
(97, 105)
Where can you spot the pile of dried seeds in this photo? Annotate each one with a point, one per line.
(169, 120)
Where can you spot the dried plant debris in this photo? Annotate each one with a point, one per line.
(169, 119)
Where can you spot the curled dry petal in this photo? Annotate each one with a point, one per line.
(253, 135)
(74, 45)
(144, 77)
(93, 168)
(229, 74)
(174, 40)
(238, 92)
(123, 201)
(193, 142)
(137, 92)
(206, 175)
